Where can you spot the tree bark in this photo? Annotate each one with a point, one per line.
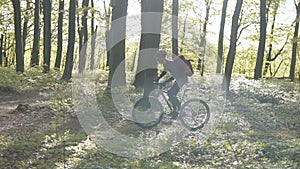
(18, 36)
(149, 44)
(232, 48)
(221, 37)
(107, 36)
(117, 44)
(93, 43)
(202, 44)
(175, 28)
(295, 43)
(79, 30)
(183, 34)
(25, 25)
(94, 34)
(262, 41)
(47, 35)
(5, 50)
(59, 34)
(36, 39)
(270, 46)
(82, 56)
(1, 48)
(71, 41)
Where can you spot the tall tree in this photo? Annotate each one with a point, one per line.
(93, 43)
(183, 33)
(295, 42)
(71, 41)
(274, 5)
(262, 40)
(93, 36)
(82, 56)
(274, 13)
(232, 47)
(175, 27)
(25, 24)
(117, 43)
(221, 37)
(59, 34)
(18, 36)
(151, 12)
(93, 17)
(1, 47)
(79, 29)
(47, 34)
(107, 11)
(5, 49)
(202, 44)
(36, 39)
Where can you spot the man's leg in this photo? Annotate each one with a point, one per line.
(172, 92)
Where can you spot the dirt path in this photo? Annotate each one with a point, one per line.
(10, 100)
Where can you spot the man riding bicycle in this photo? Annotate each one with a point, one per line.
(176, 68)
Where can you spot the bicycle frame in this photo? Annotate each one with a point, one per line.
(162, 92)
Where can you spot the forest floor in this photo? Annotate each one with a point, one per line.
(259, 127)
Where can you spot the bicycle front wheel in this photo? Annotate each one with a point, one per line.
(194, 114)
(147, 112)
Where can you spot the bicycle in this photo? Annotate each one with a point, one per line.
(148, 112)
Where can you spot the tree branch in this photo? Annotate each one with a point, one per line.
(281, 49)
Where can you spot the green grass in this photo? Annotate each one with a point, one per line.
(31, 80)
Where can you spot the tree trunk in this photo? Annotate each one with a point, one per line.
(175, 28)
(149, 44)
(183, 34)
(25, 25)
(18, 36)
(270, 46)
(232, 48)
(108, 48)
(202, 45)
(59, 34)
(269, 56)
(71, 41)
(47, 35)
(1, 47)
(93, 43)
(94, 34)
(36, 39)
(82, 56)
(295, 43)
(5, 50)
(221, 37)
(262, 41)
(117, 37)
(107, 36)
(79, 30)
(93, 17)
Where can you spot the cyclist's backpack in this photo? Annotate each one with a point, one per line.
(188, 65)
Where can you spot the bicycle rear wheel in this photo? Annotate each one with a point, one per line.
(194, 114)
(147, 112)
